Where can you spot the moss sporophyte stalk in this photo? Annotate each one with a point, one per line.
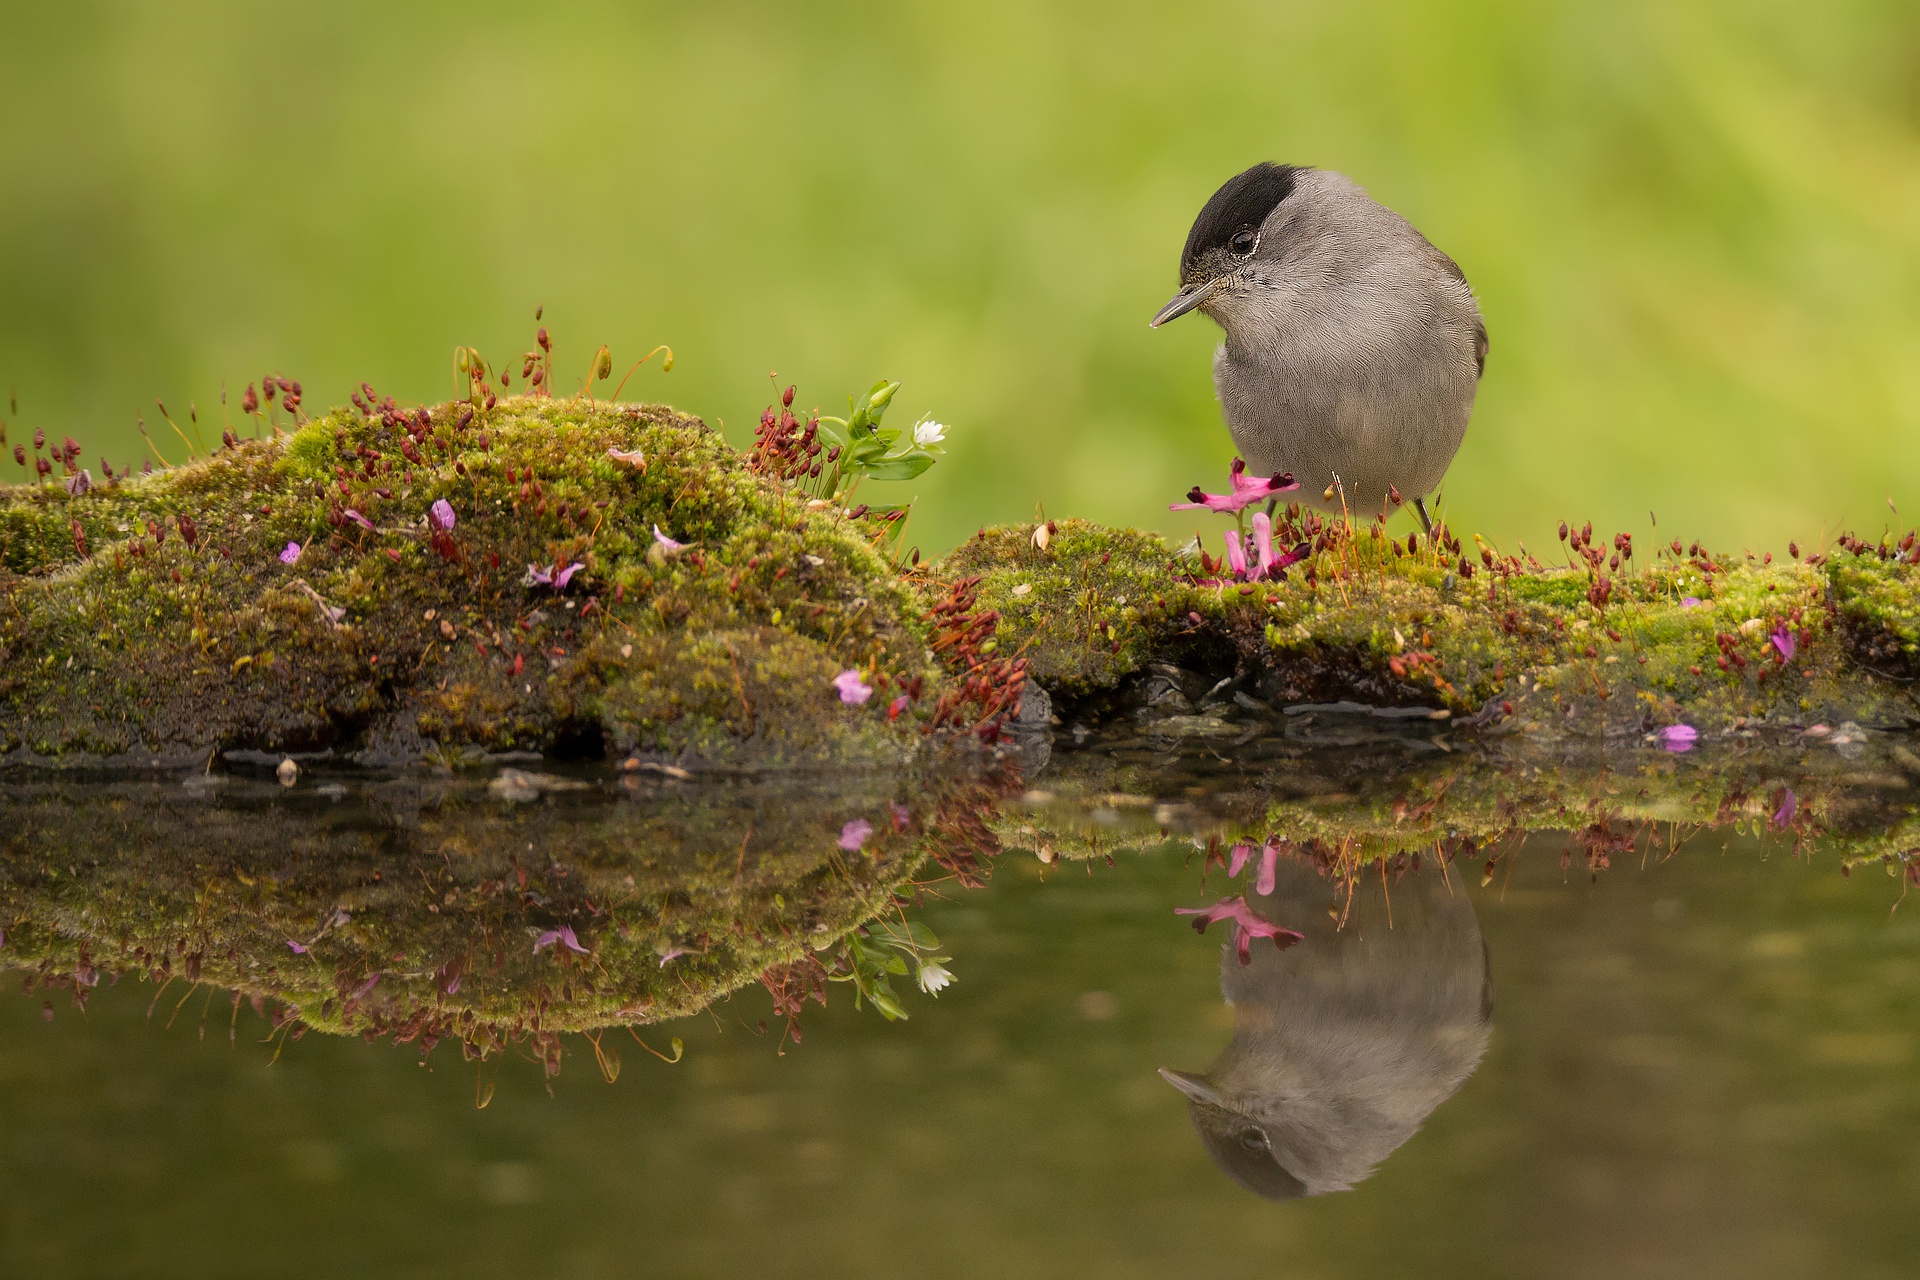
(573, 576)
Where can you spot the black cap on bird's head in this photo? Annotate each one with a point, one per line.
(1227, 233)
(1238, 1144)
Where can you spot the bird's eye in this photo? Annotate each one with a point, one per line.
(1253, 1139)
(1243, 241)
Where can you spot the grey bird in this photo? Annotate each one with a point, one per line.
(1344, 1043)
(1353, 346)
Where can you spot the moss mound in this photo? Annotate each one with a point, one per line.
(179, 618)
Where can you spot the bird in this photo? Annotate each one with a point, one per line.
(1353, 346)
(1345, 1042)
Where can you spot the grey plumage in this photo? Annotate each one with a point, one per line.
(1353, 346)
(1344, 1043)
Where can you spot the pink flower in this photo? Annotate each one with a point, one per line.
(440, 514)
(1246, 925)
(358, 519)
(1783, 643)
(1262, 544)
(1236, 554)
(1245, 493)
(290, 554)
(853, 690)
(563, 935)
(1679, 737)
(855, 834)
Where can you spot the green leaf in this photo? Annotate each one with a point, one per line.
(903, 466)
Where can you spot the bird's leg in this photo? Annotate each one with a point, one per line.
(1426, 521)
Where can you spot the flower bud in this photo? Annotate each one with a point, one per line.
(881, 398)
(786, 398)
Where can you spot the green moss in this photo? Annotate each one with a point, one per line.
(723, 651)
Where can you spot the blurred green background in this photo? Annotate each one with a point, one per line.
(1694, 228)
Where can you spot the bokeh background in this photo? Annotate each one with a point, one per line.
(1694, 227)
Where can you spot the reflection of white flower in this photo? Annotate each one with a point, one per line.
(929, 433)
(934, 979)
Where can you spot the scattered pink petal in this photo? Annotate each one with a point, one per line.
(675, 954)
(441, 514)
(855, 834)
(1783, 643)
(290, 554)
(667, 544)
(1246, 925)
(295, 947)
(632, 457)
(1689, 602)
(366, 986)
(1245, 493)
(1679, 737)
(562, 577)
(563, 935)
(853, 690)
(537, 577)
(897, 706)
(357, 518)
(1264, 883)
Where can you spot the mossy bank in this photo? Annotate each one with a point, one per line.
(580, 578)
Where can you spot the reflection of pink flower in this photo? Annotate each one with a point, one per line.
(1245, 493)
(1783, 643)
(290, 554)
(1789, 806)
(1246, 925)
(1263, 884)
(1679, 737)
(564, 935)
(1238, 862)
(853, 690)
(855, 834)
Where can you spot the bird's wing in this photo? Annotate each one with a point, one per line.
(1479, 322)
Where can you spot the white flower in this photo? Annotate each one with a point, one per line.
(929, 433)
(934, 979)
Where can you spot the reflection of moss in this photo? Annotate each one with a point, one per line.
(725, 650)
(681, 894)
(1358, 805)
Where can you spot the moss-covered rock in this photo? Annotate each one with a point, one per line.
(294, 593)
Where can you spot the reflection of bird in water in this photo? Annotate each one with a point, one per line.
(1344, 1043)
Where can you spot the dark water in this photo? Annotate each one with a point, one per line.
(1700, 1062)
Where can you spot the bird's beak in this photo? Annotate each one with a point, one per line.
(1193, 295)
(1197, 1088)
